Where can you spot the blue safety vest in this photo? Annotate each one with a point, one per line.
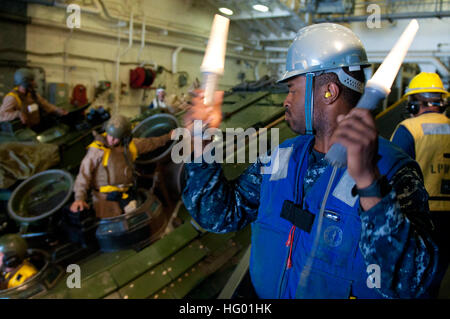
(279, 251)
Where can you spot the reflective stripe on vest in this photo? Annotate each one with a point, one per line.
(431, 133)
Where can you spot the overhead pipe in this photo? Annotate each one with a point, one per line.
(418, 56)
(119, 55)
(275, 49)
(42, 2)
(99, 9)
(104, 13)
(419, 53)
(388, 16)
(175, 59)
(58, 54)
(130, 35)
(276, 61)
(117, 80)
(66, 44)
(256, 70)
(51, 24)
(430, 55)
(142, 41)
(84, 9)
(424, 57)
(440, 67)
(102, 10)
(143, 63)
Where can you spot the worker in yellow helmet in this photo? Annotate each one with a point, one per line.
(15, 269)
(426, 138)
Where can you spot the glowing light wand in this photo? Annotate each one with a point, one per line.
(379, 86)
(214, 60)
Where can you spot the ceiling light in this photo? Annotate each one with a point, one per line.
(261, 7)
(226, 11)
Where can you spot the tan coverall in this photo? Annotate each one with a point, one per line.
(96, 171)
(17, 105)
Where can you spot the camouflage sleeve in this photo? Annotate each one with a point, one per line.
(396, 236)
(219, 205)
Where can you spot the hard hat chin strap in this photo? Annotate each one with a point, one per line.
(343, 77)
(309, 103)
(348, 80)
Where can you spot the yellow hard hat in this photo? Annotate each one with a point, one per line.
(25, 272)
(426, 82)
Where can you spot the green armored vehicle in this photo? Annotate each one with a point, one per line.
(156, 251)
(55, 142)
(24, 152)
(71, 133)
(56, 122)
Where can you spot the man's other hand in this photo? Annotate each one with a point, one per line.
(62, 112)
(78, 205)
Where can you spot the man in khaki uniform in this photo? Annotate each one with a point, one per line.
(107, 168)
(23, 102)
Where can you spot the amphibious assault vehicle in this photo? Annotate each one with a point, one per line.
(155, 251)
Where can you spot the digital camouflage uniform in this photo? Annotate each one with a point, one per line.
(395, 233)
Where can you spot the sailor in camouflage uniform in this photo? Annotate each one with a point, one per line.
(375, 219)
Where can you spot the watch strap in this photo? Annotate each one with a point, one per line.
(379, 188)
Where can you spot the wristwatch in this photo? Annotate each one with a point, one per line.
(379, 188)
